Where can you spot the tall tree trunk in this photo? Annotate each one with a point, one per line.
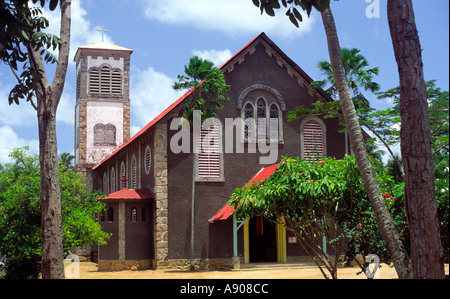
(421, 208)
(397, 251)
(51, 221)
(48, 98)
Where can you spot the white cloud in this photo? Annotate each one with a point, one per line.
(82, 32)
(10, 140)
(151, 93)
(219, 57)
(65, 113)
(15, 115)
(232, 17)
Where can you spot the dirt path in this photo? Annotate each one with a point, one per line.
(89, 271)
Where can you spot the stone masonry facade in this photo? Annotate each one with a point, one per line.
(161, 198)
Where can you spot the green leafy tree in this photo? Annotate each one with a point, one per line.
(207, 85)
(397, 250)
(323, 199)
(20, 214)
(359, 78)
(24, 45)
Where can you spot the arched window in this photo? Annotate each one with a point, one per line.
(249, 130)
(210, 152)
(113, 180)
(105, 183)
(313, 140)
(262, 120)
(104, 134)
(148, 160)
(116, 82)
(99, 134)
(274, 122)
(133, 173)
(123, 174)
(94, 80)
(266, 123)
(133, 215)
(105, 80)
(110, 134)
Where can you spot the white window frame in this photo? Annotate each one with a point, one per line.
(218, 152)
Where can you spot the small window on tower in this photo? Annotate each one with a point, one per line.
(104, 135)
(94, 81)
(110, 135)
(105, 81)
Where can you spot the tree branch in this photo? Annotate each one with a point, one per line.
(437, 151)
(400, 166)
(57, 85)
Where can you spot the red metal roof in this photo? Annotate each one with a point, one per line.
(131, 194)
(262, 175)
(223, 214)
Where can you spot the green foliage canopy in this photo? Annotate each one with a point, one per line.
(20, 213)
(304, 194)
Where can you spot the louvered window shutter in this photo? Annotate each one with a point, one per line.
(105, 184)
(133, 173)
(209, 163)
(313, 141)
(113, 181)
(116, 82)
(94, 81)
(105, 81)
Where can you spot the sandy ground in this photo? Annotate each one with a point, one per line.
(89, 271)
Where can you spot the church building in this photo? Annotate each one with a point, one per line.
(148, 177)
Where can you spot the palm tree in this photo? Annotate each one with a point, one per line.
(358, 75)
(387, 227)
(66, 159)
(204, 81)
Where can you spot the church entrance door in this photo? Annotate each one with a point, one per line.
(262, 240)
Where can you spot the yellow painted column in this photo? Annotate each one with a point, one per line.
(246, 242)
(281, 243)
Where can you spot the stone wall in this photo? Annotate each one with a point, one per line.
(161, 198)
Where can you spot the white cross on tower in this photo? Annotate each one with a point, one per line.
(103, 30)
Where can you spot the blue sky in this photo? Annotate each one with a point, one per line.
(165, 34)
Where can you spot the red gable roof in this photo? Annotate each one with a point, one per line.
(168, 110)
(262, 175)
(186, 95)
(131, 194)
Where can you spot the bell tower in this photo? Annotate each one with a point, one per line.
(102, 109)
